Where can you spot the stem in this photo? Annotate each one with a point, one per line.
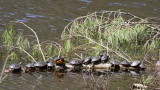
(22, 50)
(26, 53)
(119, 54)
(1, 77)
(37, 39)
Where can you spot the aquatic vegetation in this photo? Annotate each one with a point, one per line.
(119, 33)
(23, 46)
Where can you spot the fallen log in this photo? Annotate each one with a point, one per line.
(103, 66)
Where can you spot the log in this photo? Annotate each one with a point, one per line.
(102, 66)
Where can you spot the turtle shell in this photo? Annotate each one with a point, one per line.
(114, 62)
(75, 61)
(58, 60)
(14, 66)
(135, 63)
(30, 65)
(40, 64)
(104, 57)
(95, 59)
(125, 63)
(50, 64)
(29, 68)
(87, 60)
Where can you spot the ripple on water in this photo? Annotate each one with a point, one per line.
(86, 1)
(10, 14)
(23, 20)
(121, 4)
(140, 4)
(82, 7)
(33, 15)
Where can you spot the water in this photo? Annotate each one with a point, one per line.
(48, 18)
(70, 80)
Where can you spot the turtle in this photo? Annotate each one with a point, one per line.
(104, 57)
(40, 65)
(77, 63)
(87, 60)
(29, 67)
(95, 60)
(115, 64)
(50, 65)
(125, 63)
(15, 68)
(59, 61)
(136, 64)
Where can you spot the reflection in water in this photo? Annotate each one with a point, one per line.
(90, 79)
(60, 75)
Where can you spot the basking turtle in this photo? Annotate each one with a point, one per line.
(76, 62)
(29, 67)
(40, 65)
(87, 60)
(136, 64)
(115, 64)
(50, 64)
(59, 61)
(104, 57)
(15, 68)
(125, 63)
(95, 60)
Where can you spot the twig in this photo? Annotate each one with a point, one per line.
(13, 47)
(1, 77)
(37, 39)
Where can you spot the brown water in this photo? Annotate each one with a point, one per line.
(48, 18)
